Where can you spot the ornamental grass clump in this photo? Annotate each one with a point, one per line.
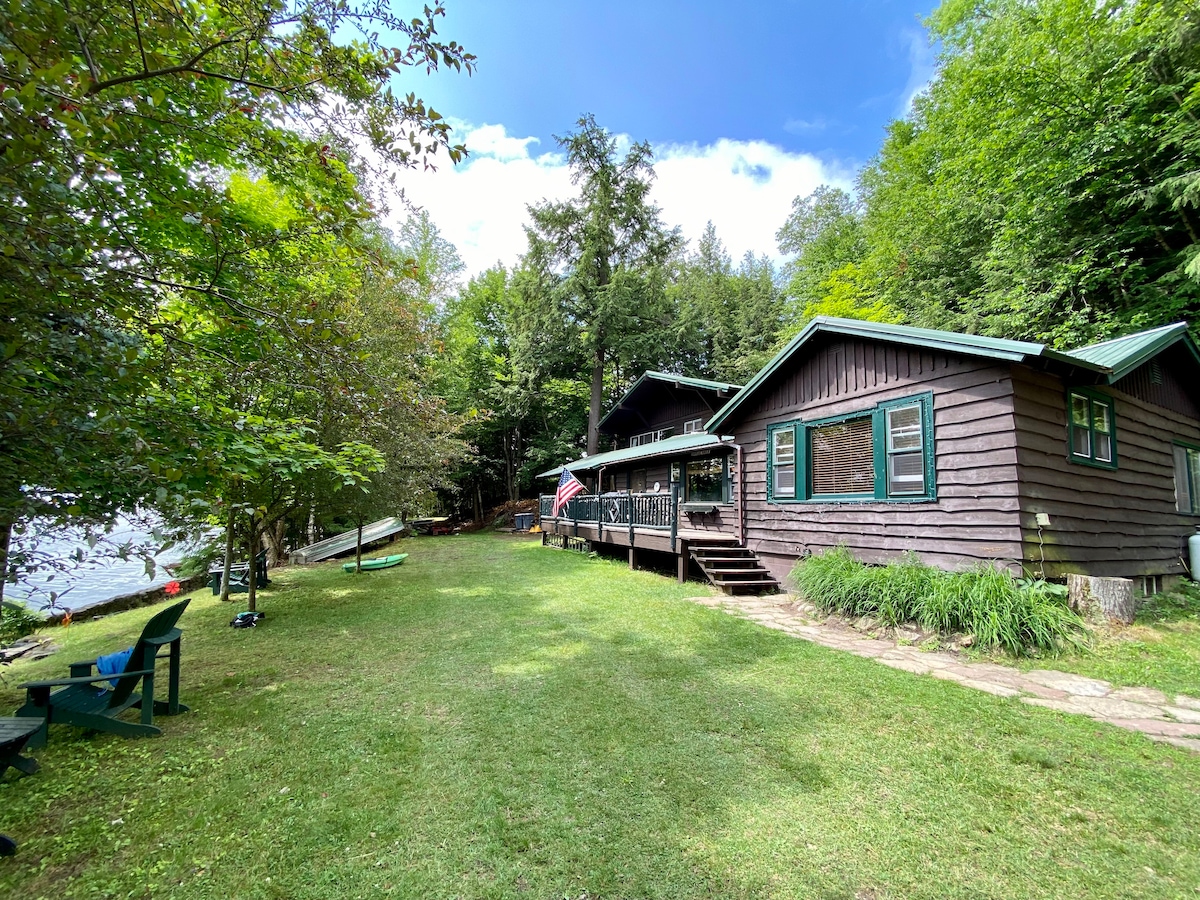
(1017, 617)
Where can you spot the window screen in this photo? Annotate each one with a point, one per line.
(784, 460)
(905, 451)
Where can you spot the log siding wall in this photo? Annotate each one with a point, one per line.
(1120, 522)
(976, 515)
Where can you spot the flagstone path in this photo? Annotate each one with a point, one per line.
(1171, 719)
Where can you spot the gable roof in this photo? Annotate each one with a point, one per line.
(666, 447)
(699, 384)
(1124, 354)
(1110, 360)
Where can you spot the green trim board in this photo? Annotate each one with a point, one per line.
(1093, 400)
(1107, 362)
(683, 443)
(882, 450)
(702, 384)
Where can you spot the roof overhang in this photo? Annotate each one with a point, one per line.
(718, 389)
(998, 349)
(673, 446)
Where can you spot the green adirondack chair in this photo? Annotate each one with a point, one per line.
(84, 701)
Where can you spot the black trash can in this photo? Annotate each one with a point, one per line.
(522, 521)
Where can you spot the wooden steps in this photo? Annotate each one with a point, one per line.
(733, 569)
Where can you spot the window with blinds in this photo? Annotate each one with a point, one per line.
(885, 452)
(843, 458)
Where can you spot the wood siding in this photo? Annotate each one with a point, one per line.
(1120, 522)
(659, 405)
(976, 515)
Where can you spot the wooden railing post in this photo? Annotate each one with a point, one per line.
(629, 508)
(674, 514)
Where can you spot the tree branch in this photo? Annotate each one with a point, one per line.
(137, 30)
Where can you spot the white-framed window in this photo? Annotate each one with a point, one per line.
(905, 450)
(884, 452)
(1187, 479)
(649, 437)
(693, 426)
(783, 458)
(1091, 420)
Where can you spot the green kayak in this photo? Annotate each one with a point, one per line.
(382, 562)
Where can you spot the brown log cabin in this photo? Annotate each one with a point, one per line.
(887, 439)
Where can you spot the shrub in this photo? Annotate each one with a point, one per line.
(18, 620)
(999, 611)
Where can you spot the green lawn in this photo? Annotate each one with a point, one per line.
(1160, 650)
(494, 719)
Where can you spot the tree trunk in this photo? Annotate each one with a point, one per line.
(593, 433)
(358, 550)
(478, 503)
(508, 463)
(1100, 599)
(274, 536)
(229, 523)
(252, 575)
(5, 540)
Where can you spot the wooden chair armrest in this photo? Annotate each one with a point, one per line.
(88, 679)
(81, 668)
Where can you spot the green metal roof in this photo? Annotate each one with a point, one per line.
(1124, 354)
(665, 377)
(667, 447)
(929, 338)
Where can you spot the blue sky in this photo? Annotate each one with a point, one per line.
(746, 105)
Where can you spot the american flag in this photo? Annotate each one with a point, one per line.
(568, 487)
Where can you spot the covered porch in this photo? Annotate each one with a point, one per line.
(637, 521)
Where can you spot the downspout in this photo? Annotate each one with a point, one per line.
(739, 506)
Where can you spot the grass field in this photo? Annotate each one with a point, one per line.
(494, 719)
(1160, 650)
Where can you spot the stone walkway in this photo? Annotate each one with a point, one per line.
(1173, 720)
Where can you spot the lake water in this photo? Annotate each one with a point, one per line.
(92, 583)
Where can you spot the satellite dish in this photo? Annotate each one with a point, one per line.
(656, 487)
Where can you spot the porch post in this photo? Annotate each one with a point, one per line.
(632, 557)
(674, 514)
(682, 564)
(629, 508)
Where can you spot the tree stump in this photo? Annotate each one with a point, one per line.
(1102, 599)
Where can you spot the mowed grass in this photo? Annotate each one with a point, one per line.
(495, 719)
(1161, 649)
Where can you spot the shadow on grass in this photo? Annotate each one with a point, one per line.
(495, 719)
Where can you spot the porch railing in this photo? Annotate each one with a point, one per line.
(615, 510)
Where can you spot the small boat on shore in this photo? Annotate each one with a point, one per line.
(382, 562)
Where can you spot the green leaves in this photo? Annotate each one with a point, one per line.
(1041, 187)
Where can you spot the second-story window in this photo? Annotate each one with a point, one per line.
(649, 437)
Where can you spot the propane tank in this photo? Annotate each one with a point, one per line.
(1194, 554)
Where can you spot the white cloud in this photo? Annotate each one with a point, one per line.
(805, 126)
(744, 187)
(922, 65)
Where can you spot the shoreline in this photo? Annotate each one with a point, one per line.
(131, 600)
